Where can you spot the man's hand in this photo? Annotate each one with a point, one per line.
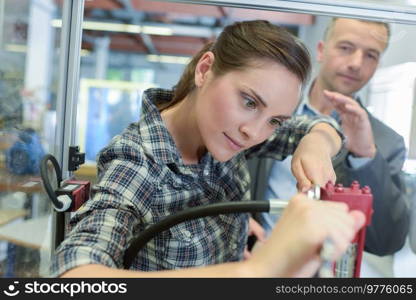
(355, 123)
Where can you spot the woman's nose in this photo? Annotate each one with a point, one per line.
(251, 130)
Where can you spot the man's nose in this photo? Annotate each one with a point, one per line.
(356, 60)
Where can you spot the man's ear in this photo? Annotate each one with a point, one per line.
(320, 51)
(203, 68)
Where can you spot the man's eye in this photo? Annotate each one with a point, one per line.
(276, 122)
(250, 103)
(345, 48)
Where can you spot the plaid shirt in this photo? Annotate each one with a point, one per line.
(142, 179)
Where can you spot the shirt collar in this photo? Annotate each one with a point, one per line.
(156, 139)
(305, 108)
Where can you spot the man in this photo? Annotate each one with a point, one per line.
(348, 57)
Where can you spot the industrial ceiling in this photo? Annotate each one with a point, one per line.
(166, 27)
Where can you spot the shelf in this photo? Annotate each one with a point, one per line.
(9, 215)
(19, 183)
(29, 233)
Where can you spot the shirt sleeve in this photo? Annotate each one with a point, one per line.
(358, 162)
(286, 138)
(102, 228)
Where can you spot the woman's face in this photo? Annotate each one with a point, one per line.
(241, 109)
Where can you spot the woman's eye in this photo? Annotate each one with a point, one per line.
(276, 122)
(250, 103)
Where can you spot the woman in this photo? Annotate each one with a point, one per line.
(190, 149)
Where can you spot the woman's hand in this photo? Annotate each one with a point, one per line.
(311, 162)
(294, 245)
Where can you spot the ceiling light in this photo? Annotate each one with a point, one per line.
(120, 27)
(183, 60)
(56, 23)
(15, 48)
(157, 30)
(85, 52)
(23, 49)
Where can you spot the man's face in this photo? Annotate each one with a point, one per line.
(350, 55)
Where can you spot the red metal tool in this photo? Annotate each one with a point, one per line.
(357, 198)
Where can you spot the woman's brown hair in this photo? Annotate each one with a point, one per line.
(242, 43)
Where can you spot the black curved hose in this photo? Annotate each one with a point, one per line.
(45, 178)
(190, 214)
(60, 216)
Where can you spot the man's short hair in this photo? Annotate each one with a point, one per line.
(333, 21)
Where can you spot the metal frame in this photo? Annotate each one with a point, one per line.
(362, 9)
(69, 64)
(73, 11)
(2, 3)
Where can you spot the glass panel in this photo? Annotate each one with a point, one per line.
(28, 69)
(390, 97)
(403, 11)
(133, 48)
(364, 3)
(399, 3)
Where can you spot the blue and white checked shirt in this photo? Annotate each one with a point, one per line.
(142, 179)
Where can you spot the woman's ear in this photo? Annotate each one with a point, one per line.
(203, 68)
